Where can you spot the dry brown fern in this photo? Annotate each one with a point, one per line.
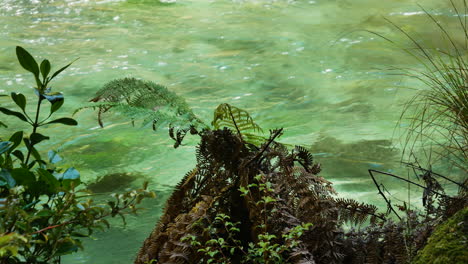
(226, 161)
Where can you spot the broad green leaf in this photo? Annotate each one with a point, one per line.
(45, 68)
(64, 120)
(16, 138)
(36, 155)
(44, 212)
(6, 179)
(27, 61)
(19, 100)
(49, 184)
(66, 246)
(61, 70)
(5, 146)
(18, 154)
(13, 113)
(24, 177)
(3, 124)
(56, 105)
(36, 138)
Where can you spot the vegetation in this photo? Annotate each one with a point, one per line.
(44, 210)
(152, 103)
(217, 212)
(438, 114)
(250, 198)
(265, 192)
(223, 246)
(448, 242)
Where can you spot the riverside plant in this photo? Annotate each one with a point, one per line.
(222, 245)
(438, 114)
(44, 210)
(216, 213)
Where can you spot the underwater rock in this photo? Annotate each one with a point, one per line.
(114, 181)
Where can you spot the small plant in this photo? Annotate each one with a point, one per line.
(223, 242)
(44, 213)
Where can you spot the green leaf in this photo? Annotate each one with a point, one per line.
(33, 150)
(36, 138)
(78, 234)
(19, 100)
(5, 146)
(6, 179)
(45, 213)
(3, 124)
(49, 183)
(45, 68)
(13, 113)
(56, 105)
(61, 70)
(27, 61)
(16, 138)
(66, 246)
(18, 154)
(36, 155)
(64, 120)
(24, 177)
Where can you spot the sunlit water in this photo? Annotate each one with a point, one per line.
(307, 66)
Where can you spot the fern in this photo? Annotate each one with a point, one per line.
(226, 164)
(149, 102)
(239, 121)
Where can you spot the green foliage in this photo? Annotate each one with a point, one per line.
(238, 120)
(152, 103)
(222, 244)
(247, 202)
(44, 213)
(438, 114)
(448, 242)
(156, 106)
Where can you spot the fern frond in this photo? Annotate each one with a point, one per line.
(149, 102)
(237, 120)
(305, 158)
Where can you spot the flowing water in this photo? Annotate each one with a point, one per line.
(308, 66)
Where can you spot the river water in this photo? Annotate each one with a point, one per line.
(310, 67)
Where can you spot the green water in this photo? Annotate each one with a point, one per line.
(307, 66)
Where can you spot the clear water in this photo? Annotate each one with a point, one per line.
(307, 66)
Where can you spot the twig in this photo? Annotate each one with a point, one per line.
(382, 194)
(442, 176)
(403, 179)
(272, 138)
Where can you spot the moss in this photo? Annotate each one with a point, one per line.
(448, 243)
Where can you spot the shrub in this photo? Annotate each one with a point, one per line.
(44, 211)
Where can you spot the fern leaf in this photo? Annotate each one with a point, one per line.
(142, 100)
(237, 120)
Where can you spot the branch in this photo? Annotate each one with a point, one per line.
(382, 194)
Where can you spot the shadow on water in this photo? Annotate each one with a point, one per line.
(114, 182)
(347, 163)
